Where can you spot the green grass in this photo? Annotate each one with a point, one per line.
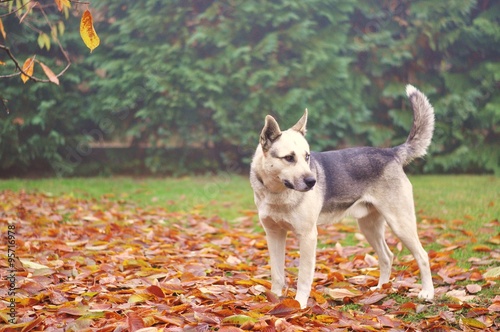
(223, 195)
(461, 203)
(465, 205)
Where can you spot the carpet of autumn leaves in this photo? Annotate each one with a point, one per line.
(107, 265)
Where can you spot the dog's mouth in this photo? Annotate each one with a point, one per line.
(308, 184)
(288, 184)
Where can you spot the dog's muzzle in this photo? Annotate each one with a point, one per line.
(309, 182)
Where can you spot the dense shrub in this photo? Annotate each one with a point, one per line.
(192, 74)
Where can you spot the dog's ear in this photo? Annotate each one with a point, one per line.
(270, 133)
(300, 126)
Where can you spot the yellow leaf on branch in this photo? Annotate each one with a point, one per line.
(49, 73)
(87, 31)
(2, 30)
(28, 67)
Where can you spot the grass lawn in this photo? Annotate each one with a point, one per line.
(460, 204)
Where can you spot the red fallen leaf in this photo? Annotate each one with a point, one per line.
(374, 298)
(474, 312)
(386, 321)
(134, 322)
(271, 297)
(230, 329)
(285, 308)
(156, 291)
(475, 276)
(409, 306)
(57, 298)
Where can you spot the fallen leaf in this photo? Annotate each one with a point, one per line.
(492, 273)
(109, 264)
(285, 308)
(32, 265)
(74, 309)
(340, 293)
(156, 291)
(373, 298)
(473, 288)
(460, 295)
(481, 248)
(238, 320)
(134, 322)
(472, 322)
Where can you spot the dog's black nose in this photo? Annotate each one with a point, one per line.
(310, 182)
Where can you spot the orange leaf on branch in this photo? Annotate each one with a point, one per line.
(62, 3)
(2, 30)
(28, 67)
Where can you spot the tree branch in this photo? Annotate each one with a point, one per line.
(16, 62)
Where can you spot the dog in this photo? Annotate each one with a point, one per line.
(298, 190)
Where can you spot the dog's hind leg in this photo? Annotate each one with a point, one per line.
(373, 228)
(401, 219)
(276, 240)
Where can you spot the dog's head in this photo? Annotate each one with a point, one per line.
(287, 155)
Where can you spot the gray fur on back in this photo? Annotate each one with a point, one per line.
(347, 174)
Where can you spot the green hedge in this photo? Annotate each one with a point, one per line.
(191, 74)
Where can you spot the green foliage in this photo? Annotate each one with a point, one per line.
(203, 74)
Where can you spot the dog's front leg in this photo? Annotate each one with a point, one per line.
(307, 242)
(276, 240)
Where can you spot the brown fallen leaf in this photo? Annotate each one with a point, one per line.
(134, 322)
(285, 308)
(473, 288)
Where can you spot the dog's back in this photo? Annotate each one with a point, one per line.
(346, 175)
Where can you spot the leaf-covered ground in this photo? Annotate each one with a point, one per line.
(102, 265)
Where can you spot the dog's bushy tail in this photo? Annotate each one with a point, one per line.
(423, 126)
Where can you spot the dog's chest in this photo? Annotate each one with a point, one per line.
(287, 211)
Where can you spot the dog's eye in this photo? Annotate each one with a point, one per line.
(290, 158)
(308, 156)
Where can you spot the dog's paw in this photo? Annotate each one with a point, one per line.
(427, 295)
(302, 301)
